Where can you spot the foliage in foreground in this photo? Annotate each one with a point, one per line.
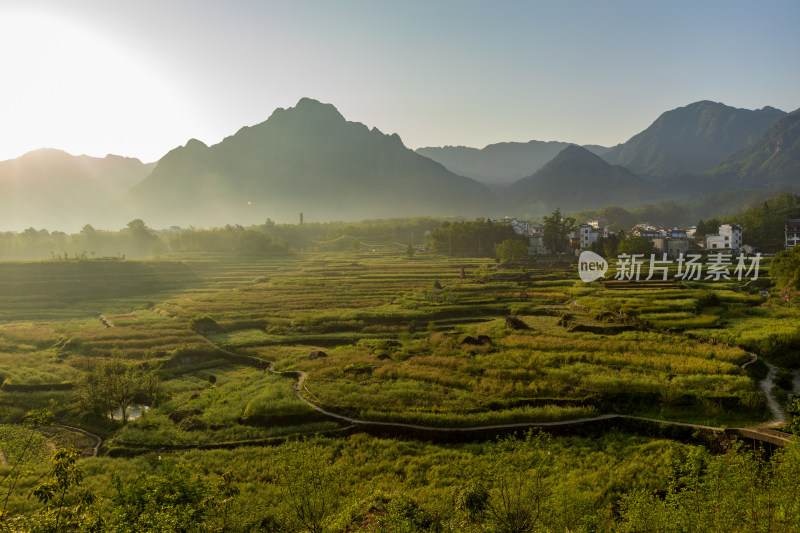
(532, 483)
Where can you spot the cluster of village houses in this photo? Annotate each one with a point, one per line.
(672, 242)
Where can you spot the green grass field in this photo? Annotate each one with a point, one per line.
(397, 350)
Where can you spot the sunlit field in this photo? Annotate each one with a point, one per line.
(404, 340)
(399, 349)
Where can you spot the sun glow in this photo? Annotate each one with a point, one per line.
(71, 87)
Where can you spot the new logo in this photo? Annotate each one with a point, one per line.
(591, 266)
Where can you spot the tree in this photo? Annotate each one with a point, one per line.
(636, 245)
(63, 486)
(21, 454)
(310, 484)
(410, 251)
(763, 225)
(173, 499)
(606, 246)
(114, 385)
(507, 489)
(785, 269)
(512, 250)
(477, 238)
(735, 491)
(709, 227)
(794, 417)
(226, 491)
(142, 239)
(555, 230)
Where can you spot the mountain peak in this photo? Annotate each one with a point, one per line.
(41, 153)
(310, 107)
(692, 139)
(195, 144)
(575, 153)
(577, 178)
(772, 160)
(305, 158)
(574, 149)
(307, 111)
(501, 163)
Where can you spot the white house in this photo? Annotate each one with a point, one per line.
(792, 232)
(521, 227)
(588, 235)
(729, 238)
(643, 229)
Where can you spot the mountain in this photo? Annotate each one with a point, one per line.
(578, 179)
(303, 159)
(692, 139)
(51, 188)
(501, 163)
(772, 162)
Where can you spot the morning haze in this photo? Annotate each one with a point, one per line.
(411, 267)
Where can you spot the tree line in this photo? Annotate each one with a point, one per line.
(137, 240)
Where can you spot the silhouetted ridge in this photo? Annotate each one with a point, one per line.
(500, 163)
(306, 158)
(54, 189)
(579, 179)
(773, 161)
(692, 139)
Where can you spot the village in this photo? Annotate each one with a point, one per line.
(670, 241)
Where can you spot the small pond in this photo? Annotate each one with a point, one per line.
(134, 412)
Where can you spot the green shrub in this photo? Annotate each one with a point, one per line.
(205, 325)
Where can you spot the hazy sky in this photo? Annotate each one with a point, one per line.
(139, 78)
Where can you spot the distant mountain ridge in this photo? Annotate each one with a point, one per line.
(773, 161)
(303, 159)
(500, 163)
(575, 179)
(310, 159)
(49, 187)
(692, 139)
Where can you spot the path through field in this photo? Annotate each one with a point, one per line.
(778, 415)
(758, 433)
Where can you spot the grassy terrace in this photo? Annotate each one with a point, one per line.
(395, 347)
(397, 350)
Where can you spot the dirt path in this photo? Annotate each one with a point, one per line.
(756, 433)
(753, 359)
(778, 415)
(96, 438)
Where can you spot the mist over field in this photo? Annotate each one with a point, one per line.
(412, 267)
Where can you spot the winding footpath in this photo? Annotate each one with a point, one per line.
(778, 415)
(760, 433)
(98, 440)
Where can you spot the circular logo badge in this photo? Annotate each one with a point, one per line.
(591, 267)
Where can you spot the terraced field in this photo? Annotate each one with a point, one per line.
(400, 338)
(376, 337)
